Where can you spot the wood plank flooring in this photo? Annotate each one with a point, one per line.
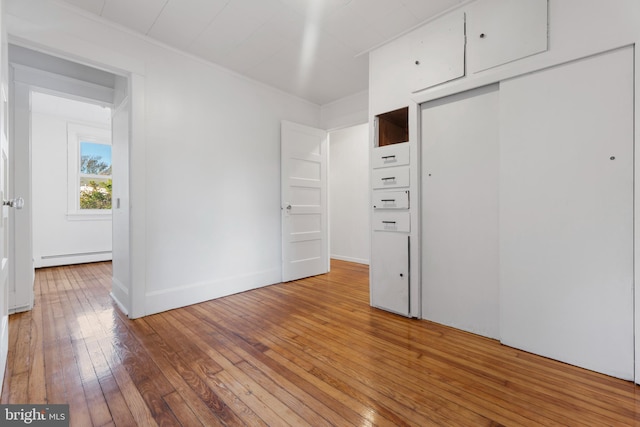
(310, 352)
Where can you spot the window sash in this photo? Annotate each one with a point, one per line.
(76, 134)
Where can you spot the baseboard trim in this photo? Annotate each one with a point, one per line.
(121, 306)
(350, 259)
(119, 292)
(53, 261)
(181, 296)
(21, 309)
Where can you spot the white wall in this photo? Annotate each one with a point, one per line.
(57, 238)
(205, 172)
(349, 194)
(348, 111)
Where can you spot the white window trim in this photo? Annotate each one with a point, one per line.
(75, 134)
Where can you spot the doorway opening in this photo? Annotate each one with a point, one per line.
(69, 123)
(71, 180)
(349, 199)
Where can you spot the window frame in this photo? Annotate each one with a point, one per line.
(77, 133)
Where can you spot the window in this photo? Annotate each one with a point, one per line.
(89, 172)
(95, 175)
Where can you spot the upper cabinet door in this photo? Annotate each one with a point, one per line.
(501, 31)
(438, 52)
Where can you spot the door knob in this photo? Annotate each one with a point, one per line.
(17, 203)
(289, 207)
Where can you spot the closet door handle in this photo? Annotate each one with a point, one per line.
(388, 157)
(387, 200)
(388, 222)
(389, 178)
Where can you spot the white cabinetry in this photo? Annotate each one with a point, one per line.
(459, 201)
(438, 52)
(566, 213)
(501, 31)
(390, 177)
(390, 271)
(391, 217)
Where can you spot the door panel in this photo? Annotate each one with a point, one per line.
(566, 213)
(304, 201)
(460, 211)
(121, 246)
(390, 271)
(4, 187)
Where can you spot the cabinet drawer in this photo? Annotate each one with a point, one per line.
(390, 155)
(390, 177)
(391, 200)
(397, 221)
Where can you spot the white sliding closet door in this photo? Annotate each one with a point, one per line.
(566, 213)
(460, 211)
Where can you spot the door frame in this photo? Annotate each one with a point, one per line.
(128, 68)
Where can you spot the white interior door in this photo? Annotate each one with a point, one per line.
(4, 220)
(566, 213)
(21, 268)
(121, 244)
(460, 211)
(305, 249)
(4, 238)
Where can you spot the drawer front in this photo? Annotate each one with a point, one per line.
(391, 200)
(390, 155)
(397, 221)
(390, 177)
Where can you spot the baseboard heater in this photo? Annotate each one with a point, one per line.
(74, 255)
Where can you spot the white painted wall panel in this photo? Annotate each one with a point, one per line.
(566, 213)
(346, 112)
(349, 194)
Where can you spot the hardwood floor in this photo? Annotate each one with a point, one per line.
(310, 352)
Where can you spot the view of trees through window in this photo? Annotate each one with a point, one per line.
(95, 176)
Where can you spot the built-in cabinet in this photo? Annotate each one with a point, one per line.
(502, 31)
(566, 212)
(391, 212)
(518, 191)
(490, 33)
(441, 51)
(459, 210)
(437, 52)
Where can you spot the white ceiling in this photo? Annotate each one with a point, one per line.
(310, 48)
